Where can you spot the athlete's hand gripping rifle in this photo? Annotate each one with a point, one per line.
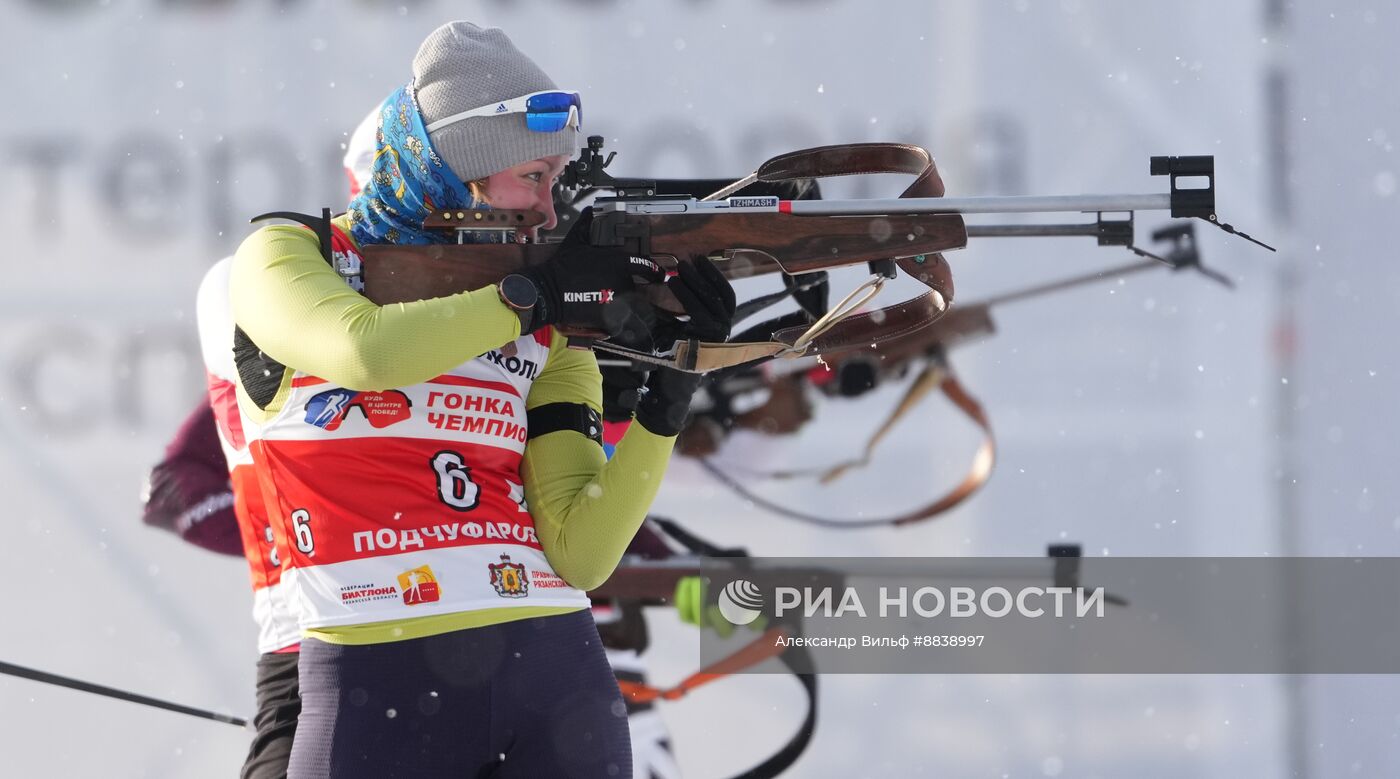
(746, 235)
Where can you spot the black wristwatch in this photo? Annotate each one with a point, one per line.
(520, 295)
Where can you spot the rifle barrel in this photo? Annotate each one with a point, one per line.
(1031, 231)
(1012, 204)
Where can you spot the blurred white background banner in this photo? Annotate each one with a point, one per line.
(1159, 415)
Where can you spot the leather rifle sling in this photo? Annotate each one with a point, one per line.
(859, 330)
(978, 472)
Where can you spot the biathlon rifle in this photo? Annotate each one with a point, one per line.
(750, 235)
(927, 351)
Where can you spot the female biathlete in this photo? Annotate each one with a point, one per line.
(432, 469)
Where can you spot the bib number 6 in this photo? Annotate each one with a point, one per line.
(454, 481)
(301, 532)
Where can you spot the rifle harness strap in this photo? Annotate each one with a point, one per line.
(936, 374)
(770, 644)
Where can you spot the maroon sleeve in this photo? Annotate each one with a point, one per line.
(188, 492)
(648, 544)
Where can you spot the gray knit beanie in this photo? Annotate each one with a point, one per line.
(460, 67)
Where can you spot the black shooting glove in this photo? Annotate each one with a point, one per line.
(592, 288)
(709, 302)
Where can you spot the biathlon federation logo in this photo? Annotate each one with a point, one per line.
(419, 586)
(740, 601)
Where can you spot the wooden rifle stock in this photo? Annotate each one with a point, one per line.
(743, 245)
(893, 356)
(399, 274)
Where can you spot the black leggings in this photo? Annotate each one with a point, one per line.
(276, 720)
(533, 698)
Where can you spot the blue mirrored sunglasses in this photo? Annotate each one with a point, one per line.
(545, 112)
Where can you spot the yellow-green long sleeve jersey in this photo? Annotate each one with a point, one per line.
(457, 368)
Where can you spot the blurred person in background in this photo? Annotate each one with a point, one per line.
(205, 490)
(495, 665)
